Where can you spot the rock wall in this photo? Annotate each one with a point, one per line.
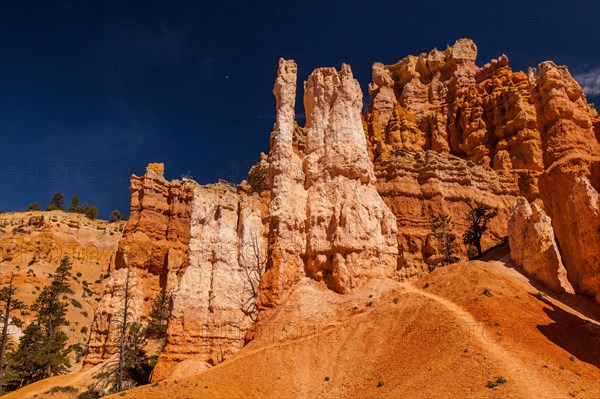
(213, 306)
(536, 130)
(327, 220)
(570, 184)
(418, 186)
(350, 197)
(154, 244)
(534, 248)
(442, 101)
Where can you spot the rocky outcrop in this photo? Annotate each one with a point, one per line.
(570, 184)
(213, 306)
(418, 186)
(536, 130)
(442, 101)
(350, 197)
(327, 220)
(29, 238)
(154, 244)
(533, 247)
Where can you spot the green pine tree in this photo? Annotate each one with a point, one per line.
(74, 207)
(115, 215)
(42, 350)
(57, 202)
(442, 226)
(157, 319)
(9, 304)
(34, 206)
(477, 219)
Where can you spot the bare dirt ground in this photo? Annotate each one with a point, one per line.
(445, 335)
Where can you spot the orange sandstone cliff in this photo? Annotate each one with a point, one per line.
(350, 197)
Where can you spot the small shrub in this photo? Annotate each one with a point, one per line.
(84, 330)
(539, 295)
(379, 384)
(76, 303)
(369, 304)
(572, 359)
(78, 274)
(84, 314)
(258, 177)
(487, 292)
(91, 393)
(155, 384)
(18, 229)
(496, 324)
(326, 378)
(426, 285)
(432, 267)
(62, 389)
(493, 384)
(395, 300)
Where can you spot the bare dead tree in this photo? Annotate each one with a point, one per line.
(254, 271)
(10, 304)
(131, 339)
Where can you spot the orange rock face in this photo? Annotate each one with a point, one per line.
(418, 186)
(350, 197)
(154, 244)
(533, 246)
(32, 245)
(213, 305)
(328, 222)
(536, 130)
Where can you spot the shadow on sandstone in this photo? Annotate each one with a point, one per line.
(579, 337)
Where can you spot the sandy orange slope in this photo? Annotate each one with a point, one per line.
(438, 337)
(443, 338)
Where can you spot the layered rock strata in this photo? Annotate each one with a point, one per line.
(350, 197)
(570, 183)
(418, 186)
(154, 245)
(32, 245)
(536, 130)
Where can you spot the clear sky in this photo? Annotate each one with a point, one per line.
(92, 91)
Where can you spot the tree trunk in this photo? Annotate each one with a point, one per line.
(122, 336)
(5, 332)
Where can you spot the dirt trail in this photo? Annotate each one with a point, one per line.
(517, 372)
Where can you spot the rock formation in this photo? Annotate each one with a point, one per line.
(327, 220)
(417, 186)
(536, 130)
(533, 247)
(570, 184)
(350, 197)
(32, 245)
(154, 244)
(213, 306)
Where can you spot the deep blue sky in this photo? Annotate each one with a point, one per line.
(91, 91)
